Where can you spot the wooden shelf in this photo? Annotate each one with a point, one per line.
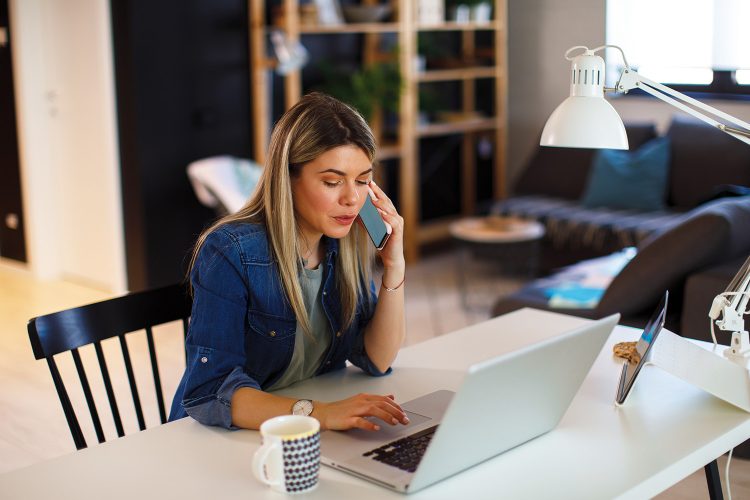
(389, 151)
(446, 128)
(442, 75)
(454, 26)
(349, 28)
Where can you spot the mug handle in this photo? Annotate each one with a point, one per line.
(259, 460)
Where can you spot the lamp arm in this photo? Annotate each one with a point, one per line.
(630, 79)
(731, 305)
(741, 284)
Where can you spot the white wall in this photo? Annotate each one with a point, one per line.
(65, 98)
(539, 33)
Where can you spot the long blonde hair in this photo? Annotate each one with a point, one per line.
(316, 124)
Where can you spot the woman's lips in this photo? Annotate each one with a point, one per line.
(345, 220)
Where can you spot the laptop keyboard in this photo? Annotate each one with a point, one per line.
(404, 453)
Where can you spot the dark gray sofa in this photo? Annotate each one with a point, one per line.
(705, 164)
(716, 234)
(698, 231)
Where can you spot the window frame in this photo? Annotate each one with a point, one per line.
(723, 87)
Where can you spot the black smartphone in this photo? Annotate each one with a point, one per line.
(374, 224)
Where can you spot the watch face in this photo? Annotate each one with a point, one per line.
(302, 407)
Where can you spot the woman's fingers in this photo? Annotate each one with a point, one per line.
(382, 414)
(363, 423)
(380, 199)
(379, 193)
(353, 412)
(386, 410)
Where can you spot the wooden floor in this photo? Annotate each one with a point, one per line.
(34, 429)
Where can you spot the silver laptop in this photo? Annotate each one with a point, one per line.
(502, 403)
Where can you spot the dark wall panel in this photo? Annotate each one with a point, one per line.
(182, 75)
(12, 240)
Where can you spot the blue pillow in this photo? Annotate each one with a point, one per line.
(629, 179)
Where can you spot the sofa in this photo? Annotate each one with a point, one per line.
(715, 236)
(692, 247)
(704, 164)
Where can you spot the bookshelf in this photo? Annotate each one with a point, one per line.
(405, 149)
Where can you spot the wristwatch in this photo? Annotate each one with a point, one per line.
(302, 407)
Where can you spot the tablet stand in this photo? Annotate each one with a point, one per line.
(702, 368)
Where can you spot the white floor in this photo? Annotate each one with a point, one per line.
(34, 428)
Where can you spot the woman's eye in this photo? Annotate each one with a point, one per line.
(364, 183)
(331, 184)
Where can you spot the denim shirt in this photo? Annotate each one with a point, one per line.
(242, 325)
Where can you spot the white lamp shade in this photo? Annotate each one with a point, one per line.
(585, 122)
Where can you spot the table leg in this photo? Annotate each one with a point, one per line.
(713, 479)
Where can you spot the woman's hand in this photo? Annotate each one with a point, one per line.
(392, 254)
(350, 413)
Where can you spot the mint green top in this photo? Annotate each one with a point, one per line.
(309, 350)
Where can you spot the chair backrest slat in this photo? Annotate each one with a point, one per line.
(70, 414)
(110, 391)
(71, 329)
(155, 372)
(88, 395)
(131, 381)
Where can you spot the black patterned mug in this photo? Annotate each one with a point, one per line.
(289, 457)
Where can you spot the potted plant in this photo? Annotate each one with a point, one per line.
(370, 89)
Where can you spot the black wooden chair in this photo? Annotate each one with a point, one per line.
(71, 329)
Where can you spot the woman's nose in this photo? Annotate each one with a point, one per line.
(350, 196)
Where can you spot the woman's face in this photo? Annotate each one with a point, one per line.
(330, 190)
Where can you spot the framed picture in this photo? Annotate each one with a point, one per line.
(329, 12)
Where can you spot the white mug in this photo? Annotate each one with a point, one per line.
(289, 458)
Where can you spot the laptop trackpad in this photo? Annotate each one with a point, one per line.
(389, 432)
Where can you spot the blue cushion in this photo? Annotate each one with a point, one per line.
(633, 180)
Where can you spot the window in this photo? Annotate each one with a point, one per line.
(690, 45)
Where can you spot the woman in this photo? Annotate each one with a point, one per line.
(282, 290)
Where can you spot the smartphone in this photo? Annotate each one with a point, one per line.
(373, 223)
(631, 369)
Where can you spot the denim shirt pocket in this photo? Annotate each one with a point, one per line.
(271, 328)
(269, 345)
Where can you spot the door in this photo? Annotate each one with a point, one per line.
(12, 242)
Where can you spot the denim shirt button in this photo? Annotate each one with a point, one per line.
(204, 359)
(338, 334)
(272, 333)
(328, 362)
(325, 293)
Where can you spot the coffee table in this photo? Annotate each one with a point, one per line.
(511, 242)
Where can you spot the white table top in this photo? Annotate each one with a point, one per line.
(667, 430)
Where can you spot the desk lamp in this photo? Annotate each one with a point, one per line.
(587, 120)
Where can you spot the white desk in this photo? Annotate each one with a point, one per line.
(667, 430)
